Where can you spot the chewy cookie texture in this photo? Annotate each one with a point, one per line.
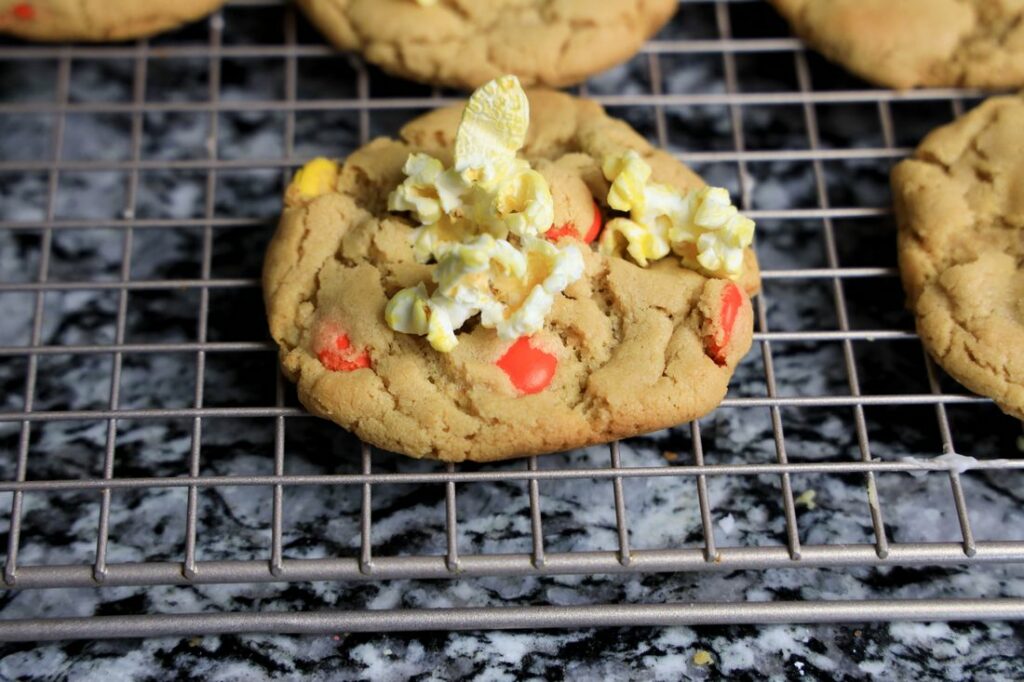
(97, 20)
(960, 207)
(465, 43)
(917, 43)
(623, 349)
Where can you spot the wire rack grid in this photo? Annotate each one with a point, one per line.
(739, 157)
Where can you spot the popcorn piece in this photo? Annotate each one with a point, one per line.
(642, 243)
(523, 205)
(629, 174)
(703, 227)
(426, 3)
(419, 192)
(512, 290)
(468, 214)
(492, 130)
(317, 177)
(406, 312)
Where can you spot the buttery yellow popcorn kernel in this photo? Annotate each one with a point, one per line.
(317, 177)
(467, 214)
(406, 312)
(492, 130)
(523, 205)
(703, 227)
(629, 174)
(640, 242)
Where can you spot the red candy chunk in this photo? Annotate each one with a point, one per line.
(569, 229)
(717, 345)
(595, 226)
(338, 355)
(556, 233)
(530, 369)
(24, 11)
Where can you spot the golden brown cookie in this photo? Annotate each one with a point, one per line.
(626, 349)
(97, 20)
(464, 43)
(914, 43)
(960, 206)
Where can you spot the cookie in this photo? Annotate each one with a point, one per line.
(960, 207)
(917, 43)
(97, 20)
(619, 350)
(464, 44)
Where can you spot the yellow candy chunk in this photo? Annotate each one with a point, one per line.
(314, 179)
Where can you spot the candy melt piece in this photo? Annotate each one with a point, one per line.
(529, 369)
(561, 232)
(314, 179)
(336, 352)
(595, 226)
(24, 11)
(569, 229)
(718, 344)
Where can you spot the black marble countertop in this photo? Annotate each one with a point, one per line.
(235, 523)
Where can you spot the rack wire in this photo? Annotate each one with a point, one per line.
(731, 102)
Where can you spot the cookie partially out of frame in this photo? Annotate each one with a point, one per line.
(960, 206)
(97, 20)
(634, 349)
(915, 43)
(465, 44)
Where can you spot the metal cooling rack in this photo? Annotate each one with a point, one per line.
(368, 566)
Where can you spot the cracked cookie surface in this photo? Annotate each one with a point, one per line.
(465, 43)
(917, 43)
(960, 207)
(635, 349)
(97, 20)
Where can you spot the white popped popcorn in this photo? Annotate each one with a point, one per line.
(703, 227)
(481, 221)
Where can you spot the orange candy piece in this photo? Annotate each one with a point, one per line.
(569, 229)
(732, 300)
(341, 357)
(530, 369)
(595, 226)
(24, 11)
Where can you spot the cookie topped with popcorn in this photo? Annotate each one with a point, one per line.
(517, 275)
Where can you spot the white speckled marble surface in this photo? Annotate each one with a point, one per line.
(234, 523)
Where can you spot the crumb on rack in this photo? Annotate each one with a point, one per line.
(806, 499)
